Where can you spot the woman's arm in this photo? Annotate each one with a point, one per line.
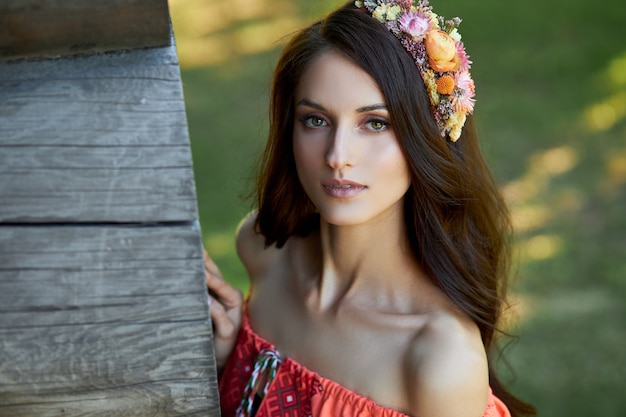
(226, 302)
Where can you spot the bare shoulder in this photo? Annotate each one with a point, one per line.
(448, 371)
(251, 249)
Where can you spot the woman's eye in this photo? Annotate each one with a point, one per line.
(377, 125)
(313, 121)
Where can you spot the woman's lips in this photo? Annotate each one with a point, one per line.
(342, 188)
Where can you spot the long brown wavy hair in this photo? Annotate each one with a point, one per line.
(456, 219)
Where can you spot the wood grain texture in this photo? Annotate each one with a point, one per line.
(38, 28)
(103, 305)
(104, 320)
(82, 140)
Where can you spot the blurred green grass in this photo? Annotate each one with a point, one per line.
(551, 85)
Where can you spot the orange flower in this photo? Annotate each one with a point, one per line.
(442, 52)
(445, 84)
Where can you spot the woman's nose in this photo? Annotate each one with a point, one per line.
(340, 152)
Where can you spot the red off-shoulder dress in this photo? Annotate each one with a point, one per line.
(256, 381)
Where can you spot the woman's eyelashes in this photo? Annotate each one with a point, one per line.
(373, 124)
(313, 121)
(377, 124)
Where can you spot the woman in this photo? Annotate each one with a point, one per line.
(377, 255)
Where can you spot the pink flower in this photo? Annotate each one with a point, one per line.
(463, 101)
(463, 57)
(463, 80)
(415, 25)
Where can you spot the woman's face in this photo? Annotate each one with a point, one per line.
(346, 153)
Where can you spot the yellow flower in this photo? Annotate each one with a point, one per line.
(358, 3)
(431, 87)
(394, 12)
(441, 51)
(455, 124)
(379, 13)
(386, 12)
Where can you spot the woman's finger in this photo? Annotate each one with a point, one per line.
(227, 295)
(224, 328)
(226, 310)
(210, 266)
(221, 290)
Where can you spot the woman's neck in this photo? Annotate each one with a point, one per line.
(370, 263)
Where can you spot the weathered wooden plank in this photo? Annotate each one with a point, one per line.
(100, 274)
(104, 320)
(111, 123)
(59, 27)
(125, 370)
(118, 195)
(129, 98)
(99, 157)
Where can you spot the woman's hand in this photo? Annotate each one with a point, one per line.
(226, 306)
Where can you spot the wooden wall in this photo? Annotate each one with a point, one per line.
(35, 28)
(102, 298)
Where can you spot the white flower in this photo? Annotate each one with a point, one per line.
(454, 34)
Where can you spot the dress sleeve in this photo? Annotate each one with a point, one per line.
(496, 407)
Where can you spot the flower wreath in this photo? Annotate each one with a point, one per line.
(435, 45)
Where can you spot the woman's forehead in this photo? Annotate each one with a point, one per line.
(331, 78)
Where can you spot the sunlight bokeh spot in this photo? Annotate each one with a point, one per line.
(528, 218)
(617, 168)
(516, 192)
(211, 32)
(263, 36)
(219, 244)
(559, 160)
(196, 52)
(197, 18)
(250, 9)
(617, 70)
(601, 117)
(543, 247)
(604, 115)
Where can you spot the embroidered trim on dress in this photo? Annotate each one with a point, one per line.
(265, 369)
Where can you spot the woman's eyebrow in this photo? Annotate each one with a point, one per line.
(364, 109)
(373, 107)
(309, 103)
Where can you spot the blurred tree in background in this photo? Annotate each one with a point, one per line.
(551, 112)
